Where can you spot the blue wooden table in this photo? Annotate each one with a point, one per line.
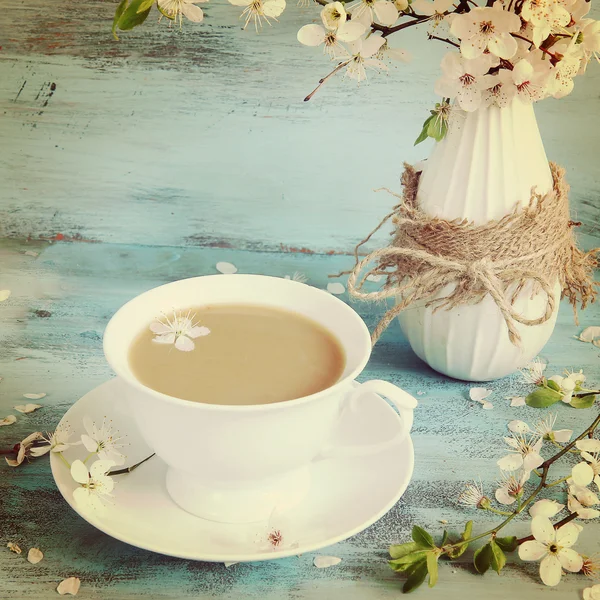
(128, 165)
(51, 330)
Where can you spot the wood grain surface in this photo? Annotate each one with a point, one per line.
(200, 137)
(50, 341)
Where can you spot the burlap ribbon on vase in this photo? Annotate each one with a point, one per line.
(533, 246)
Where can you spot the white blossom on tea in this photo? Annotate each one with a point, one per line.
(177, 9)
(24, 451)
(179, 329)
(525, 453)
(534, 371)
(486, 28)
(9, 420)
(101, 440)
(35, 555)
(69, 586)
(257, 10)
(27, 408)
(56, 442)
(553, 548)
(511, 486)
(546, 508)
(95, 484)
(545, 428)
(363, 54)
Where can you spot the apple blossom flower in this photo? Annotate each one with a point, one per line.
(94, 484)
(553, 548)
(546, 508)
(257, 10)
(315, 35)
(56, 442)
(102, 441)
(582, 493)
(486, 28)
(363, 53)
(534, 371)
(388, 54)
(590, 451)
(568, 384)
(525, 453)
(437, 10)
(25, 448)
(583, 512)
(561, 80)
(495, 91)
(333, 15)
(473, 496)
(591, 568)
(369, 11)
(178, 329)
(511, 486)
(529, 84)
(177, 9)
(588, 40)
(544, 427)
(545, 16)
(461, 79)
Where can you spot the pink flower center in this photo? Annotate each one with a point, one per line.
(467, 79)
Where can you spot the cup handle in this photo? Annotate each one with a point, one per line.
(403, 401)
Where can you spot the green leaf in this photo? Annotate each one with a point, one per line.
(424, 135)
(118, 14)
(416, 576)
(421, 537)
(432, 568)
(444, 538)
(145, 5)
(404, 563)
(498, 557)
(553, 385)
(131, 17)
(468, 530)
(482, 558)
(508, 544)
(584, 402)
(466, 534)
(400, 550)
(542, 398)
(437, 128)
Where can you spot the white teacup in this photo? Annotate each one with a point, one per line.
(238, 464)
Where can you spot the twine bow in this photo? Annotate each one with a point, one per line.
(499, 257)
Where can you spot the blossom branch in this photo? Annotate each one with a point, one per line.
(130, 469)
(446, 40)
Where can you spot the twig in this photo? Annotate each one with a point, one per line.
(435, 37)
(129, 469)
(531, 42)
(322, 81)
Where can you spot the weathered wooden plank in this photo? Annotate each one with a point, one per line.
(80, 285)
(201, 137)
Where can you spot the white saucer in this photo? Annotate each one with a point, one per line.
(347, 494)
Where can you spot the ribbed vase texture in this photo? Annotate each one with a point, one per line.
(485, 167)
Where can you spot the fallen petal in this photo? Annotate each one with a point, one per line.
(8, 420)
(34, 555)
(487, 405)
(27, 408)
(322, 562)
(517, 401)
(13, 547)
(69, 586)
(226, 268)
(518, 427)
(478, 394)
(335, 288)
(374, 278)
(4, 294)
(229, 564)
(34, 396)
(589, 334)
(31, 253)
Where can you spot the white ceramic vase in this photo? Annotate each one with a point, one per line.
(485, 167)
